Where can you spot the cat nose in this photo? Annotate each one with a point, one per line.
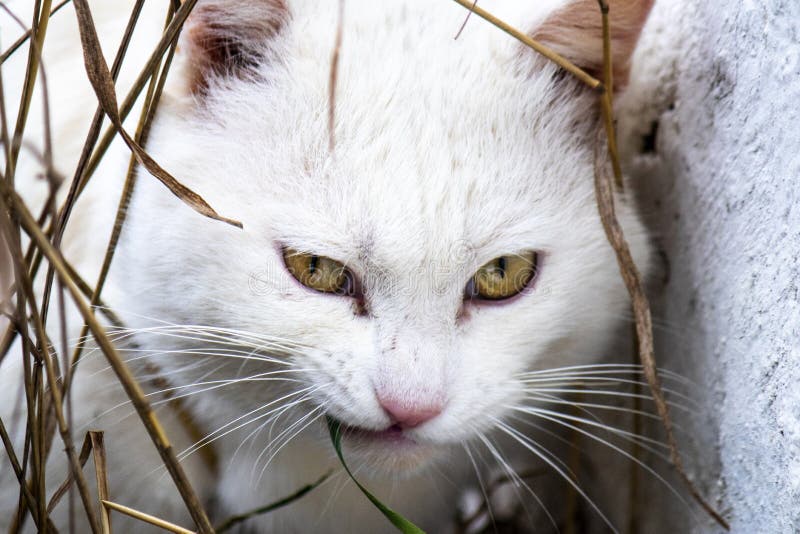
(409, 413)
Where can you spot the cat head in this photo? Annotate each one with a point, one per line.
(404, 282)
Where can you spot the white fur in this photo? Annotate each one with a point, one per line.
(448, 153)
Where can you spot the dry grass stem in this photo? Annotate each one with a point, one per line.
(38, 33)
(605, 201)
(152, 96)
(46, 391)
(86, 450)
(42, 427)
(27, 493)
(103, 84)
(131, 387)
(27, 35)
(147, 518)
(334, 74)
(631, 275)
(606, 104)
(546, 51)
(604, 190)
(101, 476)
(55, 230)
(466, 19)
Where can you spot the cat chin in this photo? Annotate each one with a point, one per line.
(385, 454)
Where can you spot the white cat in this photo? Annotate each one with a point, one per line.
(403, 283)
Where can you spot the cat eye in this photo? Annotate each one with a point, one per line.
(503, 277)
(318, 272)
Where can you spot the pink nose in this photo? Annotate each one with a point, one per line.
(410, 413)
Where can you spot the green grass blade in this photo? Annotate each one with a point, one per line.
(235, 520)
(403, 525)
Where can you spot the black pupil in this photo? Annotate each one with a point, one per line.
(312, 266)
(501, 265)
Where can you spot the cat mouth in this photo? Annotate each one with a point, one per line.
(391, 451)
(391, 435)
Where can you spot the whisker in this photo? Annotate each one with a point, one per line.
(603, 367)
(533, 447)
(641, 441)
(611, 429)
(516, 478)
(207, 357)
(204, 333)
(252, 436)
(621, 394)
(290, 438)
(221, 432)
(466, 447)
(552, 399)
(613, 382)
(621, 451)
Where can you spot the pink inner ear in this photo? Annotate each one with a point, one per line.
(230, 37)
(576, 32)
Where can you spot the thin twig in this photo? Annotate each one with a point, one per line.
(18, 325)
(142, 130)
(129, 383)
(546, 51)
(606, 104)
(101, 476)
(466, 19)
(147, 518)
(30, 500)
(334, 74)
(605, 201)
(630, 274)
(43, 428)
(90, 156)
(103, 84)
(34, 60)
(25, 36)
(604, 190)
(86, 449)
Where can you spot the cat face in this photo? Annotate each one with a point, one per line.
(449, 158)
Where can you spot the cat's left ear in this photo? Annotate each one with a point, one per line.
(576, 32)
(230, 38)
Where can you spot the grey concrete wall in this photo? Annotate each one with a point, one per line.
(712, 135)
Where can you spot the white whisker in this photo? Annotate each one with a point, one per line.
(621, 394)
(533, 447)
(619, 450)
(515, 477)
(218, 433)
(287, 440)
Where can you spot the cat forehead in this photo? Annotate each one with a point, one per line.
(438, 142)
(399, 68)
(411, 104)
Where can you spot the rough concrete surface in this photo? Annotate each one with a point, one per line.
(712, 132)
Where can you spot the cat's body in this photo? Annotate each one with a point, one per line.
(446, 154)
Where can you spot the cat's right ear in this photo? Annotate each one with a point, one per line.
(576, 32)
(230, 38)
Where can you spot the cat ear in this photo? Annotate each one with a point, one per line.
(229, 38)
(576, 32)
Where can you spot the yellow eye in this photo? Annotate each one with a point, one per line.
(318, 272)
(503, 277)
